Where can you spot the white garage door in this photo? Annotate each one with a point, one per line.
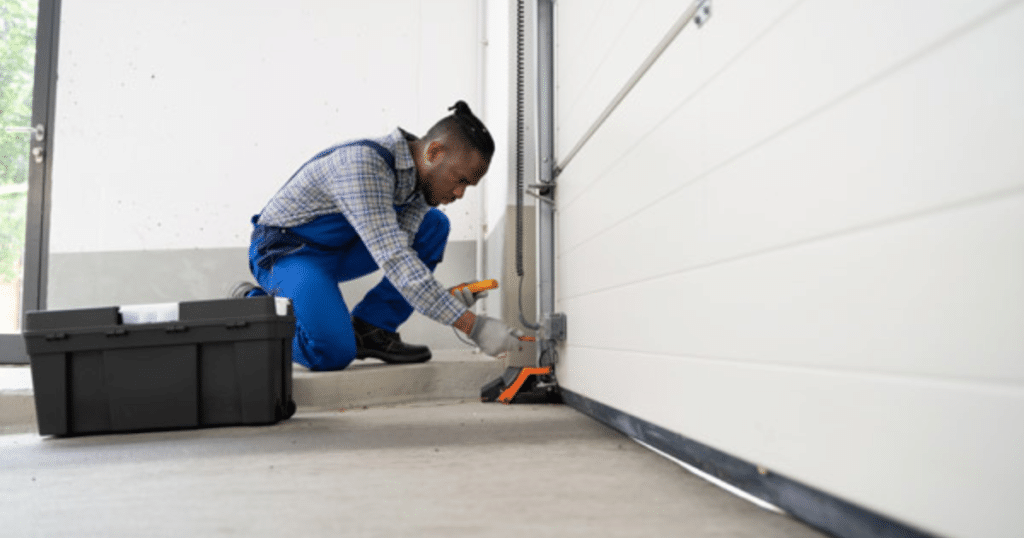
(800, 240)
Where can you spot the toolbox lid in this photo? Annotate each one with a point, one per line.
(235, 308)
(46, 320)
(217, 309)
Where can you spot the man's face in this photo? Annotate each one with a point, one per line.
(449, 172)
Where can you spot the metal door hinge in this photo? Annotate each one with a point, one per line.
(40, 134)
(39, 131)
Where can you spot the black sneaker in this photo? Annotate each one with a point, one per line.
(372, 341)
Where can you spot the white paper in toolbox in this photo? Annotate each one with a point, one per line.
(281, 305)
(137, 314)
(149, 313)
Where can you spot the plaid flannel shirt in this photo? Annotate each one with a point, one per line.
(385, 210)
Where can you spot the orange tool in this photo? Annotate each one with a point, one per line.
(510, 392)
(523, 385)
(483, 285)
(477, 287)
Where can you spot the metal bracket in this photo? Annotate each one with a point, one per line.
(542, 198)
(543, 189)
(553, 330)
(556, 326)
(703, 13)
(545, 192)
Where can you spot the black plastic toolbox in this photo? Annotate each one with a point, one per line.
(213, 363)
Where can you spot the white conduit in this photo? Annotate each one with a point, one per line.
(686, 17)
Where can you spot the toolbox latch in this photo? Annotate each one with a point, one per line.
(117, 332)
(237, 325)
(55, 336)
(177, 329)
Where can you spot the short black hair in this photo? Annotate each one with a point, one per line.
(467, 127)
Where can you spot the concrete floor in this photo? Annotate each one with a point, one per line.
(437, 469)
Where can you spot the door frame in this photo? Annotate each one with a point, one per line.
(37, 222)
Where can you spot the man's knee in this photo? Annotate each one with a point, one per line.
(323, 339)
(433, 236)
(328, 351)
(436, 224)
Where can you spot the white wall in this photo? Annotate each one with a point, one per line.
(499, 106)
(176, 121)
(800, 240)
(500, 116)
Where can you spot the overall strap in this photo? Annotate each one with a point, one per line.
(381, 150)
(272, 242)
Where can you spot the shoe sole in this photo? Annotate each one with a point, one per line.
(390, 359)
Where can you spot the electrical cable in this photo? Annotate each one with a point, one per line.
(520, 68)
(458, 334)
(520, 150)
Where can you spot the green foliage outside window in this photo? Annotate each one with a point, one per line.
(17, 58)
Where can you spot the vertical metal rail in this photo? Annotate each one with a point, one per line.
(546, 353)
(521, 151)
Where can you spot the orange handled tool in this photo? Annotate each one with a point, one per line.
(484, 285)
(477, 287)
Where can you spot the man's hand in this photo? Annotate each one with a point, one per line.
(465, 296)
(494, 337)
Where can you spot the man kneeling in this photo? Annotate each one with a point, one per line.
(365, 205)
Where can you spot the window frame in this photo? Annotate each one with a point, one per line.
(37, 222)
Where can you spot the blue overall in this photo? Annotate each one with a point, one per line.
(305, 263)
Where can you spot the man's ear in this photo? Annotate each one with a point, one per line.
(434, 151)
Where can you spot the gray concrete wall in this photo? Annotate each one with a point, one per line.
(509, 309)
